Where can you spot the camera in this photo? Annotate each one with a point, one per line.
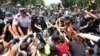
(29, 39)
(15, 41)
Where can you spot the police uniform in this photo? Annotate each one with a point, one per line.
(23, 22)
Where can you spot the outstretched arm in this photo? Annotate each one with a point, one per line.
(4, 31)
(20, 31)
(94, 16)
(13, 50)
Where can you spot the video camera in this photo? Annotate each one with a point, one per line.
(29, 39)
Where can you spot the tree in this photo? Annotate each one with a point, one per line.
(53, 5)
(28, 2)
(79, 3)
(3, 1)
(22, 2)
(32, 2)
(40, 2)
(68, 3)
(35, 2)
(14, 1)
(98, 4)
(82, 3)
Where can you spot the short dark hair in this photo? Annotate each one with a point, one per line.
(22, 53)
(41, 47)
(23, 11)
(55, 36)
(61, 38)
(24, 46)
(68, 22)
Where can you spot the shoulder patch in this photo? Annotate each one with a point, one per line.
(18, 15)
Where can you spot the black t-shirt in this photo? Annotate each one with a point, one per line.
(34, 29)
(41, 22)
(95, 24)
(8, 36)
(84, 22)
(87, 20)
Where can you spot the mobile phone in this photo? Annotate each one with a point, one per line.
(16, 41)
(29, 39)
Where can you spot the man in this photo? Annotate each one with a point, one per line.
(2, 15)
(88, 22)
(23, 22)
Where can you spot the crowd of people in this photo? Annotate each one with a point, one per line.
(41, 31)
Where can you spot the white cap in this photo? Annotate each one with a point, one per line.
(21, 8)
(18, 5)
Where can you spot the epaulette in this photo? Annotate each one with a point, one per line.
(18, 15)
(27, 15)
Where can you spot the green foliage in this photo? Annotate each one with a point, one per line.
(2, 1)
(81, 3)
(32, 2)
(41, 2)
(14, 1)
(53, 5)
(24, 2)
(68, 3)
(98, 4)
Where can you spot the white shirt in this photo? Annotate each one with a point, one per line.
(24, 22)
(66, 12)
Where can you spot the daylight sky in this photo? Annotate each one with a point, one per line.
(48, 2)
